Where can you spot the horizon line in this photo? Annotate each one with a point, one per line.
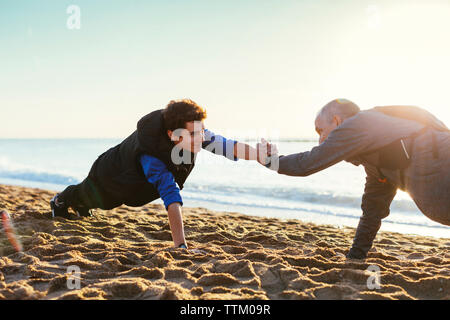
(283, 139)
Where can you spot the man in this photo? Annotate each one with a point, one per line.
(153, 162)
(400, 147)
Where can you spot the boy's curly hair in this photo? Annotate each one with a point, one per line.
(178, 112)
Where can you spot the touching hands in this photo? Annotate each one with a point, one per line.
(265, 151)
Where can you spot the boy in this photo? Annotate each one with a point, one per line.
(153, 162)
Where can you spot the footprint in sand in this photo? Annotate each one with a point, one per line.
(415, 256)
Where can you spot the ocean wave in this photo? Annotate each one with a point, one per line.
(293, 195)
(284, 195)
(232, 203)
(9, 170)
(285, 198)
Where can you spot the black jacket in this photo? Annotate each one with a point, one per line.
(118, 172)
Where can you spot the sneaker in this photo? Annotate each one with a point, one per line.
(83, 211)
(58, 208)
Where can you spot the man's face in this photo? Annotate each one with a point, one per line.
(324, 126)
(190, 138)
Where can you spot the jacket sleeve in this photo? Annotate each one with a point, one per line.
(343, 143)
(219, 145)
(375, 205)
(157, 174)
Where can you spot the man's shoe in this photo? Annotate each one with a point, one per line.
(58, 208)
(83, 211)
(356, 253)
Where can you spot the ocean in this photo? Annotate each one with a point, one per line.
(332, 196)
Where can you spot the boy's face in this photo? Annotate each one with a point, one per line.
(190, 138)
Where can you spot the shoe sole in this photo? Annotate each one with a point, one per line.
(81, 216)
(52, 206)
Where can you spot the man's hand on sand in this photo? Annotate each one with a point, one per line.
(265, 151)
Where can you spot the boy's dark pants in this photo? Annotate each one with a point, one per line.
(89, 195)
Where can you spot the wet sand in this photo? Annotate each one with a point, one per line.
(127, 253)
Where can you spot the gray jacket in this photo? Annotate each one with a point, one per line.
(358, 140)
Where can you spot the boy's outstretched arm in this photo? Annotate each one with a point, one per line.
(176, 224)
(244, 151)
(260, 153)
(235, 150)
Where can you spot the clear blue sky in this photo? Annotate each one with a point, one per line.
(255, 65)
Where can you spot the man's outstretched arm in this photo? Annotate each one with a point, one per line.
(345, 142)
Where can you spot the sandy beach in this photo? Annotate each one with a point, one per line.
(127, 253)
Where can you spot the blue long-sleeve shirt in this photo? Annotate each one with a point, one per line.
(219, 145)
(157, 173)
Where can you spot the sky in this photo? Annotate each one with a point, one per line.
(257, 66)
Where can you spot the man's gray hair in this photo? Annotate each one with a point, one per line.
(342, 107)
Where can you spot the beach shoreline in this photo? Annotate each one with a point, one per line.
(127, 253)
